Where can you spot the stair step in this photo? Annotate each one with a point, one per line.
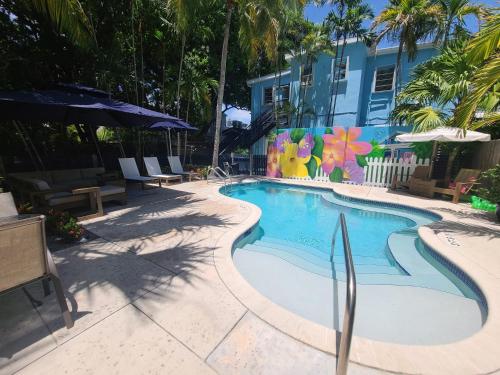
(317, 265)
(284, 245)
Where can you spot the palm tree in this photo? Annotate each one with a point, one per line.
(259, 28)
(483, 51)
(314, 43)
(348, 26)
(68, 17)
(407, 21)
(437, 87)
(453, 13)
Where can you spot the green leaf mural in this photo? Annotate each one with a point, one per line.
(318, 146)
(377, 150)
(361, 160)
(312, 167)
(297, 134)
(336, 175)
(328, 131)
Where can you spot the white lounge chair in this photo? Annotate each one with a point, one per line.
(176, 167)
(131, 172)
(154, 170)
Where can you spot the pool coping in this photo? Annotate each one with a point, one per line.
(478, 353)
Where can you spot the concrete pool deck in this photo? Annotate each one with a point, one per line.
(157, 292)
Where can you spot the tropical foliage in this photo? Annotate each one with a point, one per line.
(449, 89)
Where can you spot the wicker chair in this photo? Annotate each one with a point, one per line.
(24, 256)
(419, 182)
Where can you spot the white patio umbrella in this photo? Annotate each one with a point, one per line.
(443, 134)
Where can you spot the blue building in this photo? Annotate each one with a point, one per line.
(365, 95)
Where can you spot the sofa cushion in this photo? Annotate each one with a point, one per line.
(87, 182)
(107, 190)
(65, 175)
(92, 172)
(65, 197)
(39, 185)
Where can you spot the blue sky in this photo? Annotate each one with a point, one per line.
(318, 14)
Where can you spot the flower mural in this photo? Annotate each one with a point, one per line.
(273, 161)
(336, 153)
(292, 165)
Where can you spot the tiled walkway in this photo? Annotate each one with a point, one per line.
(147, 298)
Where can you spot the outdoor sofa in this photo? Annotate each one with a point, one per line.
(68, 188)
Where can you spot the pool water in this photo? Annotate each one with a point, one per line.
(288, 258)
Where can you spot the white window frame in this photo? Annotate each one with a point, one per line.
(374, 84)
(264, 95)
(346, 68)
(311, 82)
(280, 92)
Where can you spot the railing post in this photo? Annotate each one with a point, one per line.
(350, 304)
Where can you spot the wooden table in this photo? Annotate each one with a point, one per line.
(95, 200)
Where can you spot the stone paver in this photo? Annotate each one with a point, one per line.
(148, 298)
(127, 342)
(254, 347)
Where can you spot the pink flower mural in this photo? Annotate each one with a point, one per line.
(273, 161)
(302, 153)
(341, 146)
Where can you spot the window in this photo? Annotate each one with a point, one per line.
(284, 94)
(343, 66)
(306, 74)
(268, 95)
(384, 79)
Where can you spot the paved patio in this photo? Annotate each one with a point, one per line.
(147, 298)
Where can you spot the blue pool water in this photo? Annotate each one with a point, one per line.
(406, 294)
(297, 226)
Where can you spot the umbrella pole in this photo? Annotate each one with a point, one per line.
(185, 147)
(433, 156)
(169, 143)
(98, 149)
(26, 146)
(119, 138)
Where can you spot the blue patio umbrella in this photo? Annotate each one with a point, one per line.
(79, 108)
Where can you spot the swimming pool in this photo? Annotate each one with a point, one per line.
(405, 293)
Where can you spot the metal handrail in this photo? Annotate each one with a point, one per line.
(350, 303)
(219, 173)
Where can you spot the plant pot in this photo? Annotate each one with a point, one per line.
(498, 211)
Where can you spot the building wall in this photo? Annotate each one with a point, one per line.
(257, 99)
(376, 106)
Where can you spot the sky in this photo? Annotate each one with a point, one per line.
(318, 14)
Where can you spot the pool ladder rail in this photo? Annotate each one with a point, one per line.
(350, 304)
(219, 174)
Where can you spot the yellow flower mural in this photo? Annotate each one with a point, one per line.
(291, 164)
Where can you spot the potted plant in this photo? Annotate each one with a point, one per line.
(490, 187)
(64, 225)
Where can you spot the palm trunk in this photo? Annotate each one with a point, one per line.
(142, 62)
(133, 53)
(398, 67)
(222, 83)
(338, 80)
(304, 98)
(163, 79)
(178, 96)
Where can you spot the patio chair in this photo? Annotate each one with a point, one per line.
(176, 167)
(419, 183)
(131, 172)
(463, 183)
(24, 256)
(154, 170)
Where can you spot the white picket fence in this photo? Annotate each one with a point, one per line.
(380, 171)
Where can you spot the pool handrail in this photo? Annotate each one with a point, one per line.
(350, 304)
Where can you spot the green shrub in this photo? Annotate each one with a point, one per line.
(490, 185)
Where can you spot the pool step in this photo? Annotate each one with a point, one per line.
(339, 258)
(315, 264)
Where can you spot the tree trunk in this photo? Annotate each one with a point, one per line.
(398, 66)
(142, 62)
(133, 53)
(178, 96)
(222, 82)
(304, 98)
(338, 80)
(163, 79)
